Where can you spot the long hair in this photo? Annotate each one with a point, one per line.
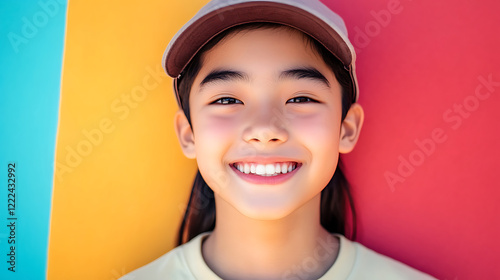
(337, 212)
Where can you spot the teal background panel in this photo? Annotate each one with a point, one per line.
(31, 52)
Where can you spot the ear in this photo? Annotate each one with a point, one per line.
(184, 134)
(350, 128)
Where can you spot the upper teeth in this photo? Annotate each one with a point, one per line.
(272, 169)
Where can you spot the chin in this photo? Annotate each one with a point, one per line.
(267, 211)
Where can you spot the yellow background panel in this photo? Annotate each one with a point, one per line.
(121, 181)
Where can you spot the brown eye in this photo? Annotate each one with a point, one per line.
(227, 101)
(301, 99)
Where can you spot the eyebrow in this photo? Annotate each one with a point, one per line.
(305, 73)
(296, 73)
(224, 75)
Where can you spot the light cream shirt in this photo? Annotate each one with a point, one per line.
(354, 261)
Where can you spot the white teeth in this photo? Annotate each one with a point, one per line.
(270, 169)
(260, 169)
(284, 168)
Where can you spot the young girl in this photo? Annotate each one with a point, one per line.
(268, 95)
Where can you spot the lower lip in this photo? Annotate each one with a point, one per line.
(265, 180)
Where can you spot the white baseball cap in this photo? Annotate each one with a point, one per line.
(309, 16)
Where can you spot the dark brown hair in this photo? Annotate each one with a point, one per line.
(337, 210)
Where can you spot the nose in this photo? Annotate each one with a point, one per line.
(266, 126)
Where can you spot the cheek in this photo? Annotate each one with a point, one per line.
(321, 127)
(320, 134)
(214, 135)
(212, 127)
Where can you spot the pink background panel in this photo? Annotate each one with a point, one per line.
(425, 171)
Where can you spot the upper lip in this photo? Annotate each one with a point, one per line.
(264, 160)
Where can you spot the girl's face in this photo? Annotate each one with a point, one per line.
(266, 116)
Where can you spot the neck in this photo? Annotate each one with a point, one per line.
(242, 247)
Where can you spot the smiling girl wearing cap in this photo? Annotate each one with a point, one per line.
(268, 95)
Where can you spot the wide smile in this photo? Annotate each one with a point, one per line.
(270, 169)
(265, 173)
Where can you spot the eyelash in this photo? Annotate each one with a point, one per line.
(230, 100)
(308, 99)
(227, 101)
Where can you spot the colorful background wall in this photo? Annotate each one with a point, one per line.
(86, 117)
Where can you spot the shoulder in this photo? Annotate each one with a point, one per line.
(172, 265)
(365, 263)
